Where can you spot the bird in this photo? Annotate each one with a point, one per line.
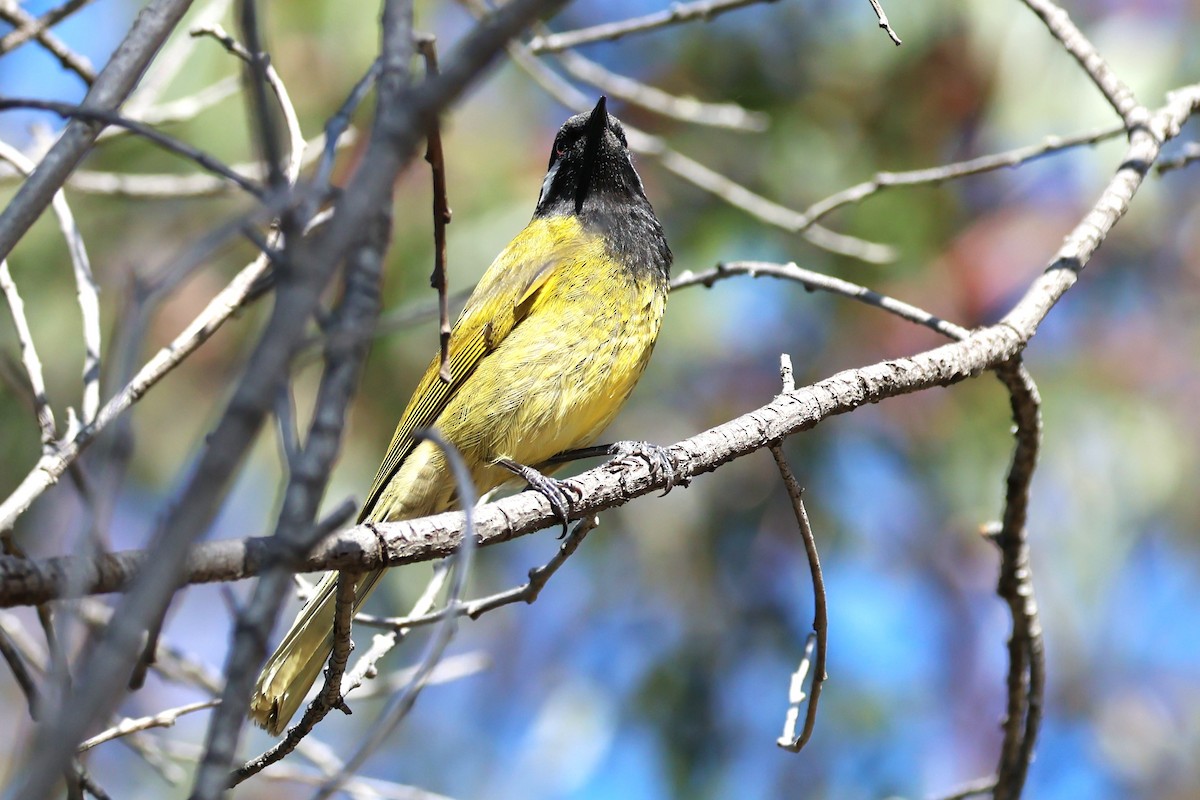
(550, 344)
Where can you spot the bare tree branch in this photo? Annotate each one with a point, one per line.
(75, 113)
(427, 46)
(1026, 675)
(703, 10)
(814, 280)
(85, 288)
(317, 709)
(26, 27)
(693, 171)
(163, 719)
(29, 357)
(399, 705)
(527, 592)
(946, 172)
(112, 86)
(883, 22)
(1119, 96)
(26, 582)
(1190, 154)
(26, 31)
(686, 109)
(820, 617)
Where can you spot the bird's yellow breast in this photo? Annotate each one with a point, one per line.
(565, 332)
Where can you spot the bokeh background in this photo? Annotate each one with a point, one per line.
(656, 664)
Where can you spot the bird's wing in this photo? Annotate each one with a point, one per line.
(503, 298)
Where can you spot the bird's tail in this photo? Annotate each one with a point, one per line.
(293, 668)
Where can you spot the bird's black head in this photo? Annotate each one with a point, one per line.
(590, 169)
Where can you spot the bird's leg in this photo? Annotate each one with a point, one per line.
(556, 492)
(658, 458)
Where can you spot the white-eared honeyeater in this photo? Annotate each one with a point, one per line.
(546, 351)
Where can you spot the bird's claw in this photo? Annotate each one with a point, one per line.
(557, 493)
(657, 458)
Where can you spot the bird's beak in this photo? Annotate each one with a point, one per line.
(597, 122)
(594, 129)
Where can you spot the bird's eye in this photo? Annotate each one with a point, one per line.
(560, 150)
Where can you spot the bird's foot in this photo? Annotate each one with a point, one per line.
(557, 493)
(658, 459)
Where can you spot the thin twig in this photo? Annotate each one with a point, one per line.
(398, 706)
(1119, 96)
(258, 74)
(26, 31)
(883, 22)
(693, 171)
(29, 357)
(789, 741)
(183, 109)
(527, 592)
(20, 671)
(124, 69)
(153, 186)
(946, 172)
(85, 287)
(1189, 154)
(427, 47)
(815, 280)
(704, 10)
(169, 143)
(289, 434)
(163, 719)
(365, 666)
(28, 27)
(686, 109)
(337, 125)
(984, 787)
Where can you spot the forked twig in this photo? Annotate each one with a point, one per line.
(789, 740)
(527, 592)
